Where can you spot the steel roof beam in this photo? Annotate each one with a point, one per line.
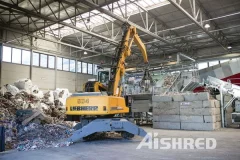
(36, 15)
(50, 40)
(197, 14)
(171, 32)
(131, 23)
(213, 22)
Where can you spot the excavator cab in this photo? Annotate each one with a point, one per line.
(101, 84)
(103, 76)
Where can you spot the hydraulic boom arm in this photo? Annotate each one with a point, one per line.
(123, 51)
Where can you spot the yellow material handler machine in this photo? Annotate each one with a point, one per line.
(102, 112)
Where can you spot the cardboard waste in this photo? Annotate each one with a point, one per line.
(33, 120)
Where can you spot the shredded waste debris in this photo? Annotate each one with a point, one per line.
(33, 119)
(168, 80)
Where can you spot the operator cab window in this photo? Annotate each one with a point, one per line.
(103, 76)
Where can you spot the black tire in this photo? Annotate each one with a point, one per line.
(127, 135)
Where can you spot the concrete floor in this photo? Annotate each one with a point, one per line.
(228, 147)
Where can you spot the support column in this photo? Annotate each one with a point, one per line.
(55, 82)
(76, 76)
(222, 107)
(31, 58)
(1, 57)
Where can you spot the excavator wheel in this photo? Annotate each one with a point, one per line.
(127, 135)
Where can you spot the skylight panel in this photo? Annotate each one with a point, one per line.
(96, 17)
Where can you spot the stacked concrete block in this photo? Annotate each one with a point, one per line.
(190, 111)
(165, 112)
(200, 113)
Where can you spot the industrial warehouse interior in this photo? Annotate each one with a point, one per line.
(119, 79)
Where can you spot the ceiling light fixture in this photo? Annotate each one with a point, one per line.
(84, 52)
(88, 21)
(229, 47)
(207, 26)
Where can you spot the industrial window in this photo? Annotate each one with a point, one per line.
(25, 57)
(95, 69)
(213, 63)
(36, 59)
(84, 67)
(65, 64)
(59, 63)
(51, 62)
(16, 55)
(234, 59)
(202, 65)
(7, 54)
(72, 66)
(79, 67)
(43, 60)
(225, 60)
(90, 68)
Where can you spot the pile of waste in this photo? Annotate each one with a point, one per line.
(33, 119)
(168, 80)
(35, 136)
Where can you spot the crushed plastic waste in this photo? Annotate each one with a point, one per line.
(33, 120)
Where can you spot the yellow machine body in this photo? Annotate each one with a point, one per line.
(91, 104)
(114, 103)
(96, 105)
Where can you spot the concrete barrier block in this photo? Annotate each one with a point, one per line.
(212, 119)
(218, 125)
(199, 111)
(198, 119)
(197, 96)
(199, 126)
(166, 111)
(193, 104)
(166, 125)
(217, 111)
(211, 104)
(217, 103)
(210, 111)
(178, 98)
(166, 108)
(160, 105)
(166, 118)
(162, 98)
(155, 118)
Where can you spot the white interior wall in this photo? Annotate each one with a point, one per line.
(44, 78)
(12, 72)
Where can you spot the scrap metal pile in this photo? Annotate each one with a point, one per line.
(33, 120)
